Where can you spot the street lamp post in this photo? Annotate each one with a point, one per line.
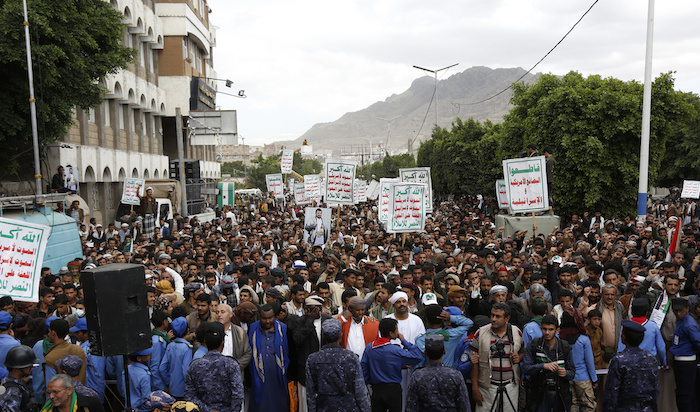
(435, 72)
(32, 103)
(389, 122)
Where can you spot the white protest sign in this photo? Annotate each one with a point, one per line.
(526, 184)
(502, 194)
(373, 190)
(133, 188)
(287, 161)
(419, 175)
(360, 191)
(691, 189)
(274, 184)
(312, 185)
(22, 249)
(300, 194)
(340, 179)
(407, 211)
(385, 198)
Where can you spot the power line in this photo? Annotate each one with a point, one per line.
(458, 105)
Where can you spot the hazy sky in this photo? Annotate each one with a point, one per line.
(310, 61)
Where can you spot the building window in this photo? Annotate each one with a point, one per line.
(184, 47)
(142, 54)
(193, 54)
(121, 113)
(199, 58)
(90, 113)
(107, 115)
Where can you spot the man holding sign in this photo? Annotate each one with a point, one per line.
(148, 210)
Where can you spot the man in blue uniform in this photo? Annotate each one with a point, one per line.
(159, 341)
(653, 340)
(214, 381)
(334, 378)
(633, 375)
(7, 341)
(436, 387)
(95, 371)
(177, 358)
(686, 342)
(382, 362)
(139, 378)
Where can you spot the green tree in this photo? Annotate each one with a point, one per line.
(387, 167)
(593, 126)
(75, 43)
(682, 158)
(264, 166)
(235, 168)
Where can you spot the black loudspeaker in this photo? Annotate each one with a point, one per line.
(116, 309)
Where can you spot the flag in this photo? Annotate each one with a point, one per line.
(675, 244)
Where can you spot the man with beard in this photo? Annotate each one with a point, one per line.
(358, 330)
(202, 312)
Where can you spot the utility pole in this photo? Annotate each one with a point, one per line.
(646, 120)
(32, 103)
(435, 72)
(388, 135)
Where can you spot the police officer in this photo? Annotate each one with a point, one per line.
(436, 387)
(686, 341)
(7, 340)
(334, 378)
(139, 378)
(17, 395)
(214, 381)
(633, 375)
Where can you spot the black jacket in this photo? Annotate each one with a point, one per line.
(303, 341)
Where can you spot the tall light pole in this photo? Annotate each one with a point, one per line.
(646, 120)
(32, 103)
(389, 122)
(435, 72)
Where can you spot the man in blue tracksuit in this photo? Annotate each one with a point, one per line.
(382, 362)
(686, 341)
(176, 360)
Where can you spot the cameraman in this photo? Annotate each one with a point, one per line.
(496, 352)
(549, 364)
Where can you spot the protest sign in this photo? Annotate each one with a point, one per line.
(691, 189)
(407, 211)
(274, 184)
(419, 175)
(22, 249)
(340, 179)
(300, 194)
(373, 190)
(312, 185)
(384, 198)
(133, 188)
(317, 225)
(287, 161)
(526, 184)
(360, 191)
(502, 193)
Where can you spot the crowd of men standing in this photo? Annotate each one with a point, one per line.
(596, 315)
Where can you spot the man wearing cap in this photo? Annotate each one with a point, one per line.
(653, 341)
(176, 360)
(436, 387)
(160, 338)
(95, 367)
(70, 365)
(17, 396)
(382, 363)
(686, 343)
(192, 290)
(214, 382)
(305, 338)
(202, 313)
(358, 330)
(334, 379)
(7, 340)
(438, 321)
(633, 378)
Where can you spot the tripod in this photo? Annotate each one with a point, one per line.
(501, 392)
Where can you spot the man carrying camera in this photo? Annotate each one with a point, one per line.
(550, 366)
(497, 349)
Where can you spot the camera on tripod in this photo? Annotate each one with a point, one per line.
(498, 347)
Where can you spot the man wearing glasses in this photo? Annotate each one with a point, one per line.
(62, 397)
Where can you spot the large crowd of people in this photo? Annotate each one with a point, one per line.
(600, 314)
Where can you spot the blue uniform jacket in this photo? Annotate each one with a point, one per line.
(463, 325)
(383, 363)
(95, 376)
(159, 344)
(686, 337)
(653, 341)
(334, 381)
(214, 382)
(139, 384)
(173, 367)
(7, 342)
(633, 376)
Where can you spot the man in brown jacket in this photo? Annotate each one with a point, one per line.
(58, 329)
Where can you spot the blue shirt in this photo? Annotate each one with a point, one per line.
(139, 384)
(214, 382)
(173, 367)
(383, 364)
(7, 342)
(582, 352)
(95, 375)
(531, 331)
(463, 355)
(653, 341)
(686, 337)
(463, 325)
(200, 352)
(159, 345)
(38, 374)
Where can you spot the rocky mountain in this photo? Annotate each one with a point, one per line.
(456, 95)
